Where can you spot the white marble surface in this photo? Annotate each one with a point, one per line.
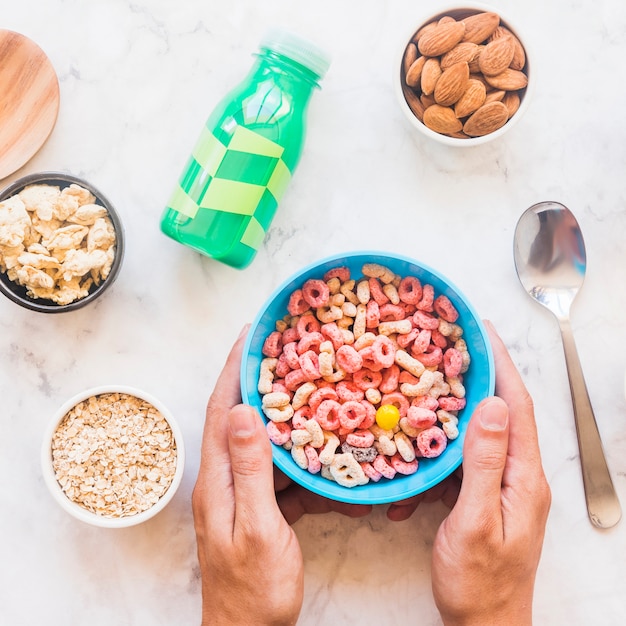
(137, 81)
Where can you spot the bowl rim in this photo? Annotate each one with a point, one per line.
(431, 15)
(328, 489)
(80, 512)
(40, 178)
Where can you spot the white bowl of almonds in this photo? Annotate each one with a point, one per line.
(61, 242)
(463, 77)
(113, 456)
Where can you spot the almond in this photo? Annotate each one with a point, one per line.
(414, 73)
(451, 84)
(485, 120)
(441, 39)
(427, 101)
(465, 51)
(423, 30)
(474, 63)
(415, 104)
(519, 55)
(479, 27)
(430, 75)
(442, 119)
(509, 80)
(410, 55)
(511, 101)
(496, 56)
(472, 98)
(495, 96)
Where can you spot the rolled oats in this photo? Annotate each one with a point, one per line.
(114, 454)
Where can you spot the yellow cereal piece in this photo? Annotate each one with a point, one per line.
(387, 416)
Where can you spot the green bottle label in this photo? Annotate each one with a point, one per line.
(233, 178)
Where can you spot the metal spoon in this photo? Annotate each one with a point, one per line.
(550, 260)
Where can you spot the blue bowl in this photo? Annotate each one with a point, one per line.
(479, 381)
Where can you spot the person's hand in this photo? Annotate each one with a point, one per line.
(487, 550)
(250, 559)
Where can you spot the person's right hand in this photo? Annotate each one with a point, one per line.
(487, 550)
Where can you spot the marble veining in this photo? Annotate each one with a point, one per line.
(137, 82)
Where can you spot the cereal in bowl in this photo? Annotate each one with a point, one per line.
(56, 242)
(363, 377)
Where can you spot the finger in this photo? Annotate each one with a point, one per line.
(252, 471)
(226, 394)
(295, 501)
(281, 481)
(447, 491)
(214, 486)
(510, 387)
(484, 460)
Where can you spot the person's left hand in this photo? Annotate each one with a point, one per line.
(250, 559)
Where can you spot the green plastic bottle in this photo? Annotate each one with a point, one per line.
(249, 148)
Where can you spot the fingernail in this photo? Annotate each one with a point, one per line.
(494, 415)
(242, 421)
(243, 331)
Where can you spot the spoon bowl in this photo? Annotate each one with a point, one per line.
(551, 261)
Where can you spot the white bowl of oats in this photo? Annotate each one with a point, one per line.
(113, 456)
(61, 242)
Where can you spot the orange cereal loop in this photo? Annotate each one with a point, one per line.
(297, 304)
(307, 324)
(316, 293)
(445, 309)
(428, 295)
(365, 378)
(349, 359)
(376, 292)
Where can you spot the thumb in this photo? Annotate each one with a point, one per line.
(251, 465)
(484, 460)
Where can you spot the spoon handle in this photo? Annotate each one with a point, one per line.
(602, 503)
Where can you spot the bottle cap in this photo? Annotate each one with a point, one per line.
(297, 49)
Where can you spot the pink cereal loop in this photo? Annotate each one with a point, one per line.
(425, 321)
(327, 415)
(279, 385)
(391, 313)
(332, 332)
(297, 304)
(452, 362)
(370, 472)
(349, 359)
(351, 414)
(310, 341)
(309, 364)
(425, 402)
(316, 293)
(365, 379)
(313, 458)
(372, 314)
(450, 403)
(322, 393)
(432, 357)
(290, 334)
(348, 391)
(282, 367)
(370, 415)
(421, 343)
(399, 400)
(307, 324)
(273, 344)
(377, 293)
(301, 417)
(390, 379)
(369, 359)
(403, 467)
(404, 341)
(361, 438)
(382, 465)
(291, 355)
(428, 295)
(342, 273)
(439, 339)
(410, 290)
(419, 417)
(294, 379)
(445, 309)
(278, 432)
(383, 351)
(431, 442)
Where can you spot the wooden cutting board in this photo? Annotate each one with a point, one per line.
(29, 100)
